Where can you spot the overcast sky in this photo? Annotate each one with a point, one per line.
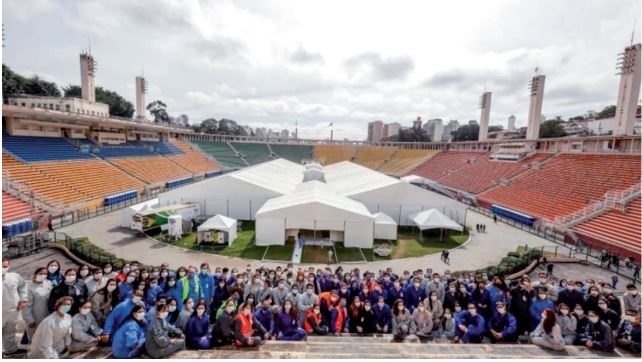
(270, 63)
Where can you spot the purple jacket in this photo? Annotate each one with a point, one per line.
(285, 324)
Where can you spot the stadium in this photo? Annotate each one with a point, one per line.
(122, 198)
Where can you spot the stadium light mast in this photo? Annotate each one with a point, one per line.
(536, 87)
(484, 104)
(629, 89)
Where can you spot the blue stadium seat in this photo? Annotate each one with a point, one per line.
(36, 149)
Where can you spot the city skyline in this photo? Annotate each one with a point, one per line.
(267, 67)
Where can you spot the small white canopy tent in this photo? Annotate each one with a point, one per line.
(217, 223)
(385, 227)
(434, 219)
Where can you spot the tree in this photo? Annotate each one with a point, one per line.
(608, 111)
(551, 128)
(118, 106)
(13, 83)
(466, 133)
(209, 126)
(159, 110)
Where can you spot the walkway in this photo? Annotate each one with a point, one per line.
(484, 249)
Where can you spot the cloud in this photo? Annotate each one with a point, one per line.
(302, 56)
(379, 68)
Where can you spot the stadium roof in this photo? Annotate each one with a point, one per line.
(280, 175)
(348, 178)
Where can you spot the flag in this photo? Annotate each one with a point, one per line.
(330, 125)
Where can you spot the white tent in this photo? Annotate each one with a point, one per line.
(314, 206)
(434, 219)
(385, 227)
(218, 223)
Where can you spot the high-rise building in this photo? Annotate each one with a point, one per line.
(393, 129)
(629, 90)
(416, 124)
(511, 123)
(141, 90)
(87, 73)
(375, 131)
(438, 130)
(484, 103)
(536, 87)
(385, 131)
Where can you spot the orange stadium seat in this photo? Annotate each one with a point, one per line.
(152, 169)
(192, 160)
(373, 157)
(405, 160)
(13, 208)
(445, 163)
(329, 154)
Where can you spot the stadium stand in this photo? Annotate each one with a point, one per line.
(151, 170)
(484, 173)
(44, 187)
(373, 157)
(445, 163)
(192, 160)
(253, 153)
(221, 152)
(37, 149)
(13, 208)
(163, 148)
(329, 154)
(294, 153)
(404, 160)
(129, 149)
(615, 228)
(565, 184)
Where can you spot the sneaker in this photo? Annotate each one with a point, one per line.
(17, 352)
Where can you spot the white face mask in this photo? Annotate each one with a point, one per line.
(164, 275)
(40, 278)
(171, 284)
(457, 309)
(357, 304)
(367, 307)
(107, 270)
(163, 315)
(84, 273)
(172, 308)
(381, 304)
(229, 310)
(130, 279)
(85, 311)
(139, 316)
(70, 279)
(52, 269)
(111, 288)
(433, 297)
(472, 312)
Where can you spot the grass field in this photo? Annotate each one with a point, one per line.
(280, 252)
(315, 255)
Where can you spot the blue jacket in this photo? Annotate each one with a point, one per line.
(536, 309)
(506, 325)
(125, 290)
(394, 294)
(152, 293)
(117, 316)
(284, 323)
(383, 316)
(476, 325)
(195, 329)
(413, 297)
(125, 341)
(481, 297)
(496, 295)
(207, 287)
(264, 316)
(176, 292)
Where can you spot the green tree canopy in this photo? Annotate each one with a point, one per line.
(158, 109)
(551, 128)
(466, 133)
(608, 111)
(14, 83)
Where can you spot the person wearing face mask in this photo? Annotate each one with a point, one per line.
(95, 282)
(481, 298)
(305, 302)
(333, 313)
(450, 297)
(354, 314)
(548, 334)
(423, 320)
(197, 335)
(502, 326)
(223, 329)
(434, 306)
(521, 297)
(174, 288)
(599, 335)
(235, 295)
(344, 291)
(52, 338)
(153, 290)
(263, 315)
(247, 331)
(280, 292)
(129, 340)
(36, 309)
(414, 294)
(631, 298)
(85, 332)
(469, 326)
(104, 301)
(117, 316)
(463, 295)
(172, 311)
(108, 271)
(151, 312)
(185, 315)
(403, 326)
(538, 305)
(497, 291)
(254, 286)
(582, 323)
(71, 287)
(437, 286)
(54, 274)
(162, 278)
(567, 323)
(126, 287)
(383, 316)
(591, 300)
(314, 323)
(570, 295)
(14, 300)
(191, 286)
(627, 335)
(162, 338)
(446, 329)
(286, 327)
(206, 283)
(612, 301)
(124, 273)
(607, 315)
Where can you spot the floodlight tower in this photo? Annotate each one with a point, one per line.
(536, 87)
(484, 104)
(87, 73)
(629, 90)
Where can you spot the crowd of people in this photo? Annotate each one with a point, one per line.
(161, 310)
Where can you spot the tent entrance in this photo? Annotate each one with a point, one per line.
(316, 237)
